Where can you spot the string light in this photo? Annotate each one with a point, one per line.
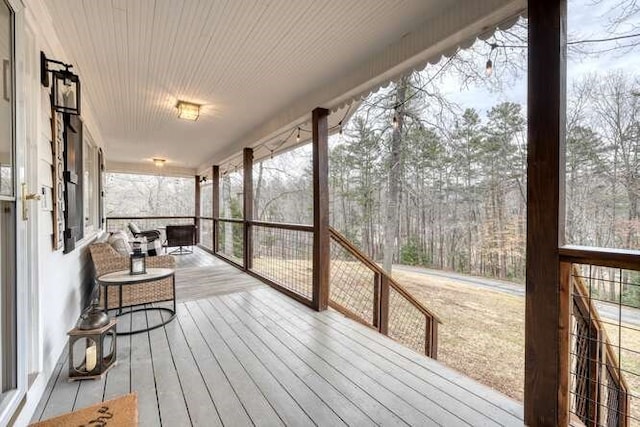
(489, 68)
(297, 130)
(395, 118)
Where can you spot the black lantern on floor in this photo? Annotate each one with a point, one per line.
(92, 345)
(65, 94)
(137, 260)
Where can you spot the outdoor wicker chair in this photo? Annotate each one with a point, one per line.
(107, 260)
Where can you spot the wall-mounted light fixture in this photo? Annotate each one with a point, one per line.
(65, 94)
(158, 162)
(188, 110)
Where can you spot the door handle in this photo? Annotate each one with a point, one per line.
(25, 198)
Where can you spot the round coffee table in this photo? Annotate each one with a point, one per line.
(124, 278)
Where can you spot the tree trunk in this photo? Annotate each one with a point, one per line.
(257, 194)
(391, 220)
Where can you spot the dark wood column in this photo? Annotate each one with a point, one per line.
(247, 205)
(321, 254)
(215, 203)
(547, 302)
(196, 220)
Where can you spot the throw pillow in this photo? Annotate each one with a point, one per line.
(120, 242)
(103, 237)
(154, 248)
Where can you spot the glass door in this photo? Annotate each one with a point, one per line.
(8, 297)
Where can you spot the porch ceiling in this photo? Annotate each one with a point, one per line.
(258, 67)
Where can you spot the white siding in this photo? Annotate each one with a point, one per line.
(64, 279)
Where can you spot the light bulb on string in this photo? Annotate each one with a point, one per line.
(298, 136)
(340, 130)
(394, 122)
(489, 68)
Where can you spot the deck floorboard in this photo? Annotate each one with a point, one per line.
(241, 354)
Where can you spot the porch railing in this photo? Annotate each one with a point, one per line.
(364, 291)
(115, 223)
(605, 335)
(281, 255)
(229, 243)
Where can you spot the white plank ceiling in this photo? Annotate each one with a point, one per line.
(245, 60)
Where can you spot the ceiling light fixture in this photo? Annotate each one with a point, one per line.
(158, 162)
(188, 110)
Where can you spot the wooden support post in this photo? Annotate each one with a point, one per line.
(321, 248)
(215, 204)
(196, 220)
(377, 277)
(247, 204)
(433, 345)
(383, 318)
(546, 397)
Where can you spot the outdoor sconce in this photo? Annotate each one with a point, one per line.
(92, 345)
(137, 260)
(65, 94)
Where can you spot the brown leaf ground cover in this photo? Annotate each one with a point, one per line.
(482, 334)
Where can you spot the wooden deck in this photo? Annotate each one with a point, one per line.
(252, 356)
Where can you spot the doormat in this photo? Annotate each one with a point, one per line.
(119, 412)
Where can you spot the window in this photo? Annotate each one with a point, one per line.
(90, 184)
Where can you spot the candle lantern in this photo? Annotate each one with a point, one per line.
(92, 345)
(137, 260)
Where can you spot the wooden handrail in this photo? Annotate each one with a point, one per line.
(357, 253)
(283, 226)
(353, 250)
(232, 220)
(603, 257)
(122, 218)
(382, 283)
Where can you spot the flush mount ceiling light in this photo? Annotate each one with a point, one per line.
(188, 110)
(158, 162)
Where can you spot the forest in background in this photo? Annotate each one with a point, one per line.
(420, 176)
(448, 182)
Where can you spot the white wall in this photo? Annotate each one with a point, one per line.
(62, 279)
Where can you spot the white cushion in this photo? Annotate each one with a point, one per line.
(120, 242)
(103, 237)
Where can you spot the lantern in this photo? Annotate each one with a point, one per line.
(65, 95)
(137, 260)
(92, 345)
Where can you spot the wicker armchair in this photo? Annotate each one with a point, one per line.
(107, 260)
